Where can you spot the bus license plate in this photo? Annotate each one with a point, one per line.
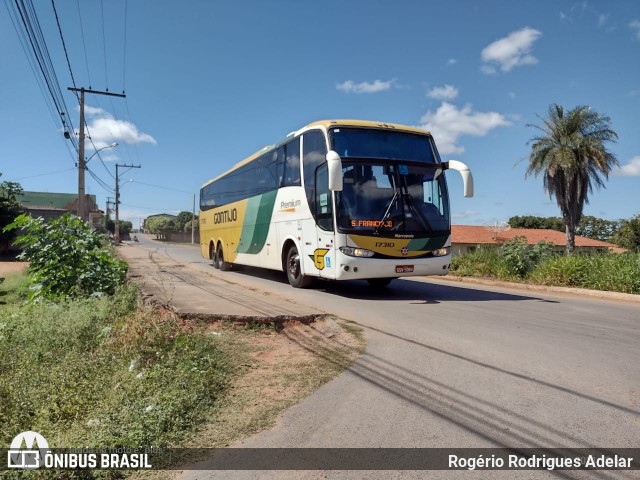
(404, 268)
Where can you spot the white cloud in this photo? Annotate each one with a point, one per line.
(105, 129)
(631, 169)
(448, 92)
(448, 124)
(602, 19)
(635, 25)
(512, 51)
(452, 61)
(365, 87)
(511, 94)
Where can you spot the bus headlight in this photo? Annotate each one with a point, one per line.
(441, 252)
(357, 252)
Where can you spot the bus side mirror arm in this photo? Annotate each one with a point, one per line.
(467, 178)
(334, 165)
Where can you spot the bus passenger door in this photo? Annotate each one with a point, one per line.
(324, 254)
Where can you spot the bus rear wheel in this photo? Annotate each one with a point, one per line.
(294, 270)
(213, 255)
(219, 261)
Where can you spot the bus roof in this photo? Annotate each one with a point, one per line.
(364, 123)
(326, 124)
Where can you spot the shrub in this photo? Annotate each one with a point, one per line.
(520, 258)
(67, 258)
(481, 262)
(513, 261)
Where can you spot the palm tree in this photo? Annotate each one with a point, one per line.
(572, 157)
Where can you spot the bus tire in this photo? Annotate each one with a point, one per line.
(379, 283)
(294, 270)
(213, 255)
(220, 263)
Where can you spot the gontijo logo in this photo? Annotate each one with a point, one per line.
(27, 451)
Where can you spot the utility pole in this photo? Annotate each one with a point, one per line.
(82, 165)
(117, 221)
(109, 210)
(109, 203)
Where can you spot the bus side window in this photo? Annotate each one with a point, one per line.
(314, 151)
(324, 209)
(292, 163)
(279, 160)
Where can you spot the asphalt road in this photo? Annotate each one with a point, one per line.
(462, 366)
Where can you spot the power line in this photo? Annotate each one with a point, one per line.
(162, 187)
(84, 45)
(104, 47)
(48, 173)
(22, 38)
(27, 24)
(100, 182)
(64, 46)
(124, 50)
(97, 150)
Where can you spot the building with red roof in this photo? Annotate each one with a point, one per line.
(465, 238)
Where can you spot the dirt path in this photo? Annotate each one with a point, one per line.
(9, 267)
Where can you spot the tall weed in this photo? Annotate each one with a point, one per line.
(99, 372)
(611, 272)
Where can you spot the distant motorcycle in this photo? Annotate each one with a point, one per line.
(135, 239)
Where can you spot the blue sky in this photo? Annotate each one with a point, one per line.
(210, 82)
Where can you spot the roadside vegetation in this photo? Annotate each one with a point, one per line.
(100, 372)
(516, 261)
(67, 259)
(161, 225)
(86, 365)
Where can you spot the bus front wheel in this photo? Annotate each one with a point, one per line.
(294, 270)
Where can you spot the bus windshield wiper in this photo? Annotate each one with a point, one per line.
(387, 212)
(409, 201)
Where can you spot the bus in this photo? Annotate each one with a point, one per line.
(335, 200)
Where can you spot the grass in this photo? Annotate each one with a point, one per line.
(614, 272)
(103, 372)
(609, 272)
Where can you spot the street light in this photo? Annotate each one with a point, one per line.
(82, 209)
(113, 145)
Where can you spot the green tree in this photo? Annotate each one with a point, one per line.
(67, 258)
(628, 235)
(159, 226)
(530, 221)
(9, 210)
(182, 219)
(598, 228)
(125, 227)
(187, 226)
(571, 156)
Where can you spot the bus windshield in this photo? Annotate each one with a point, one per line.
(382, 197)
(382, 144)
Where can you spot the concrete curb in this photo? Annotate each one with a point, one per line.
(599, 294)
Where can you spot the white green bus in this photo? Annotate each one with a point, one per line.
(335, 200)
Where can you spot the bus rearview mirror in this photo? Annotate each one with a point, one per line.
(334, 164)
(467, 178)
